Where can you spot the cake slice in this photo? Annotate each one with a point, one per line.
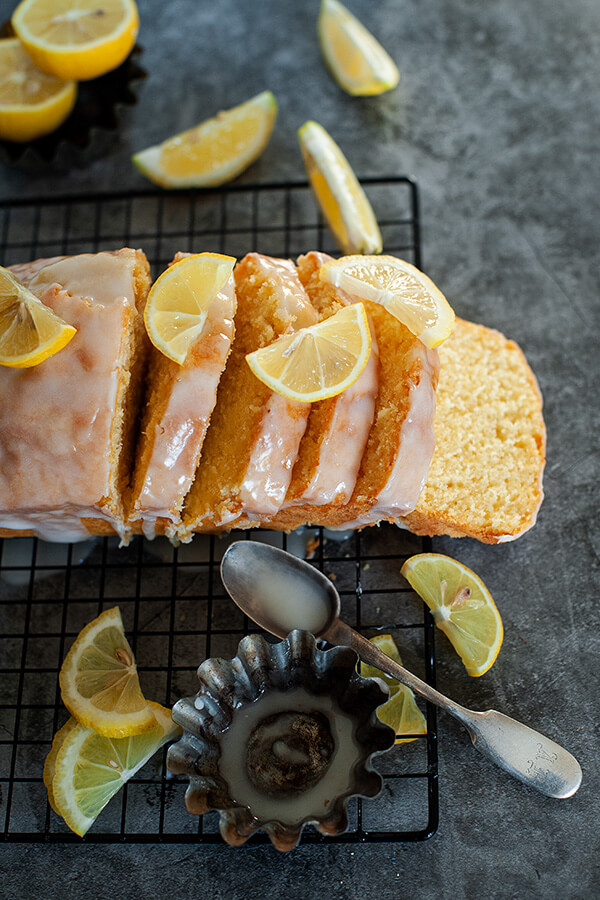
(485, 478)
(178, 405)
(67, 424)
(331, 450)
(254, 434)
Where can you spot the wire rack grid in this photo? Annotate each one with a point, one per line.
(175, 609)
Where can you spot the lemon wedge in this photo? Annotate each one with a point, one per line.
(30, 332)
(90, 768)
(77, 39)
(342, 201)
(356, 59)
(319, 361)
(179, 301)
(215, 151)
(50, 764)
(406, 292)
(462, 607)
(99, 682)
(400, 711)
(32, 103)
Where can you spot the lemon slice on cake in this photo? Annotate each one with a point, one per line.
(342, 201)
(77, 39)
(356, 59)
(30, 332)
(215, 151)
(99, 683)
(462, 607)
(400, 712)
(90, 768)
(32, 103)
(405, 291)
(319, 361)
(179, 301)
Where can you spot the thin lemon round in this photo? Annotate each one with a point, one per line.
(319, 361)
(179, 300)
(32, 103)
(90, 768)
(400, 711)
(214, 152)
(462, 607)
(30, 332)
(77, 39)
(343, 202)
(355, 58)
(405, 291)
(50, 763)
(99, 683)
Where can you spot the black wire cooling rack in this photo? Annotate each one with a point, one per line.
(175, 610)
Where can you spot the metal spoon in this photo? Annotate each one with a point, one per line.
(269, 586)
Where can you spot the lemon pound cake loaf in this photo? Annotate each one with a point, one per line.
(67, 424)
(178, 405)
(485, 478)
(254, 434)
(331, 450)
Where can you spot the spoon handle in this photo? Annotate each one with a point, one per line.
(524, 753)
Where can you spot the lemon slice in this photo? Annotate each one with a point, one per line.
(30, 332)
(342, 201)
(319, 361)
(32, 103)
(99, 681)
(89, 768)
(403, 290)
(356, 59)
(462, 607)
(50, 764)
(400, 711)
(215, 151)
(179, 301)
(77, 39)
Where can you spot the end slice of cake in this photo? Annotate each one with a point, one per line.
(485, 478)
(67, 425)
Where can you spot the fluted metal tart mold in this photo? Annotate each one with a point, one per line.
(229, 686)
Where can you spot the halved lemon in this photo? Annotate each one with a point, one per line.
(356, 59)
(215, 151)
(319, 361)
(30, 332)
(89, 768)
(405, 291)
(179, 301)
(50, 764)
(462, 607)
(400, 711)
(99, 682)
(77, 39)
(32, 103)
(342, 201)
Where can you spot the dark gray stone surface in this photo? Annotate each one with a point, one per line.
(497, 119)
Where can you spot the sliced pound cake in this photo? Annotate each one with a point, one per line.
(67, 424)
(485, 478)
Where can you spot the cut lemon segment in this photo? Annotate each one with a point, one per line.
(50, 764)
(462, 607)
(179, 301)
(215, 151)
(32, 103)
(356, 59)
(400, 711)
(403, 290)
(77, 39)
(99, 682)
(89, 768)
(319, 361)
(342, 201)
(30, 332)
